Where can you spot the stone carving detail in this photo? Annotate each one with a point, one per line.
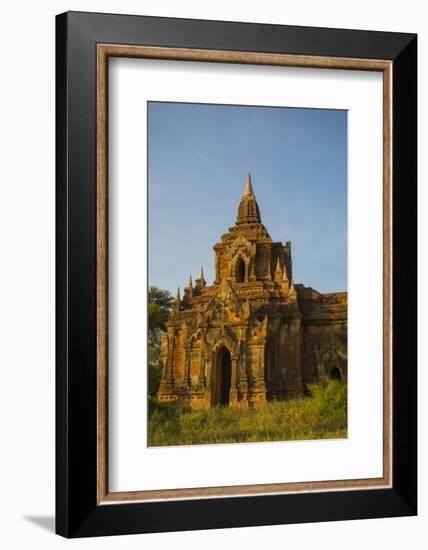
(224, 304)
(259, 329)
(242, 247)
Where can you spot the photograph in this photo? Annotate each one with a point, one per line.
(247, 274)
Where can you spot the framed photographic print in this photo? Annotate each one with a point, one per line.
(236, 274)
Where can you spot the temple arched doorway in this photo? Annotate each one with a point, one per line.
(335, 374)
(222, 378)
(240, 271)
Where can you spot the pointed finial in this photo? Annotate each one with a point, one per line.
(200, 281)
(177, 301)
(190, 285)
(248, 186)
(284, 275)
(278, 270)
(292, 294)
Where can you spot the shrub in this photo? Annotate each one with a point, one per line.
(330, 398)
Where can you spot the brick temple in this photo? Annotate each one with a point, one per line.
(254, 334)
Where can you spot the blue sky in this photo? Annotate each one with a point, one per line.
(199, 157)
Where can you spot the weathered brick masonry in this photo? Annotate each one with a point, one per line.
(254, 335)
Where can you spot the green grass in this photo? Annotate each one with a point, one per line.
(323, 415)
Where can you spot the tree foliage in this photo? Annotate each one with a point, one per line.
(159, 305)
(160, 302)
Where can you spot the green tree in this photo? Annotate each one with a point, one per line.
(159, 304)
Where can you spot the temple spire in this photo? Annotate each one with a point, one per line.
(248, 186)
(248, 211)
(190, 285)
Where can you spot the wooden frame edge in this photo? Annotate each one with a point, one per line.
(104, 51)
(102, 275)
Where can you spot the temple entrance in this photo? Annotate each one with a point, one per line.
(222, 378)
(335, 374)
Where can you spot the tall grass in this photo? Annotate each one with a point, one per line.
(322, 415)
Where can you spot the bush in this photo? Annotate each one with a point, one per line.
(330, 398)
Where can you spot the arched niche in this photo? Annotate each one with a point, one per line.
(240, 270)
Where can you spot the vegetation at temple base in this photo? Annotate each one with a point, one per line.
(322, 415)
(159, 305)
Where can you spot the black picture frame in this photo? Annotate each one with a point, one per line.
(77, 512)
